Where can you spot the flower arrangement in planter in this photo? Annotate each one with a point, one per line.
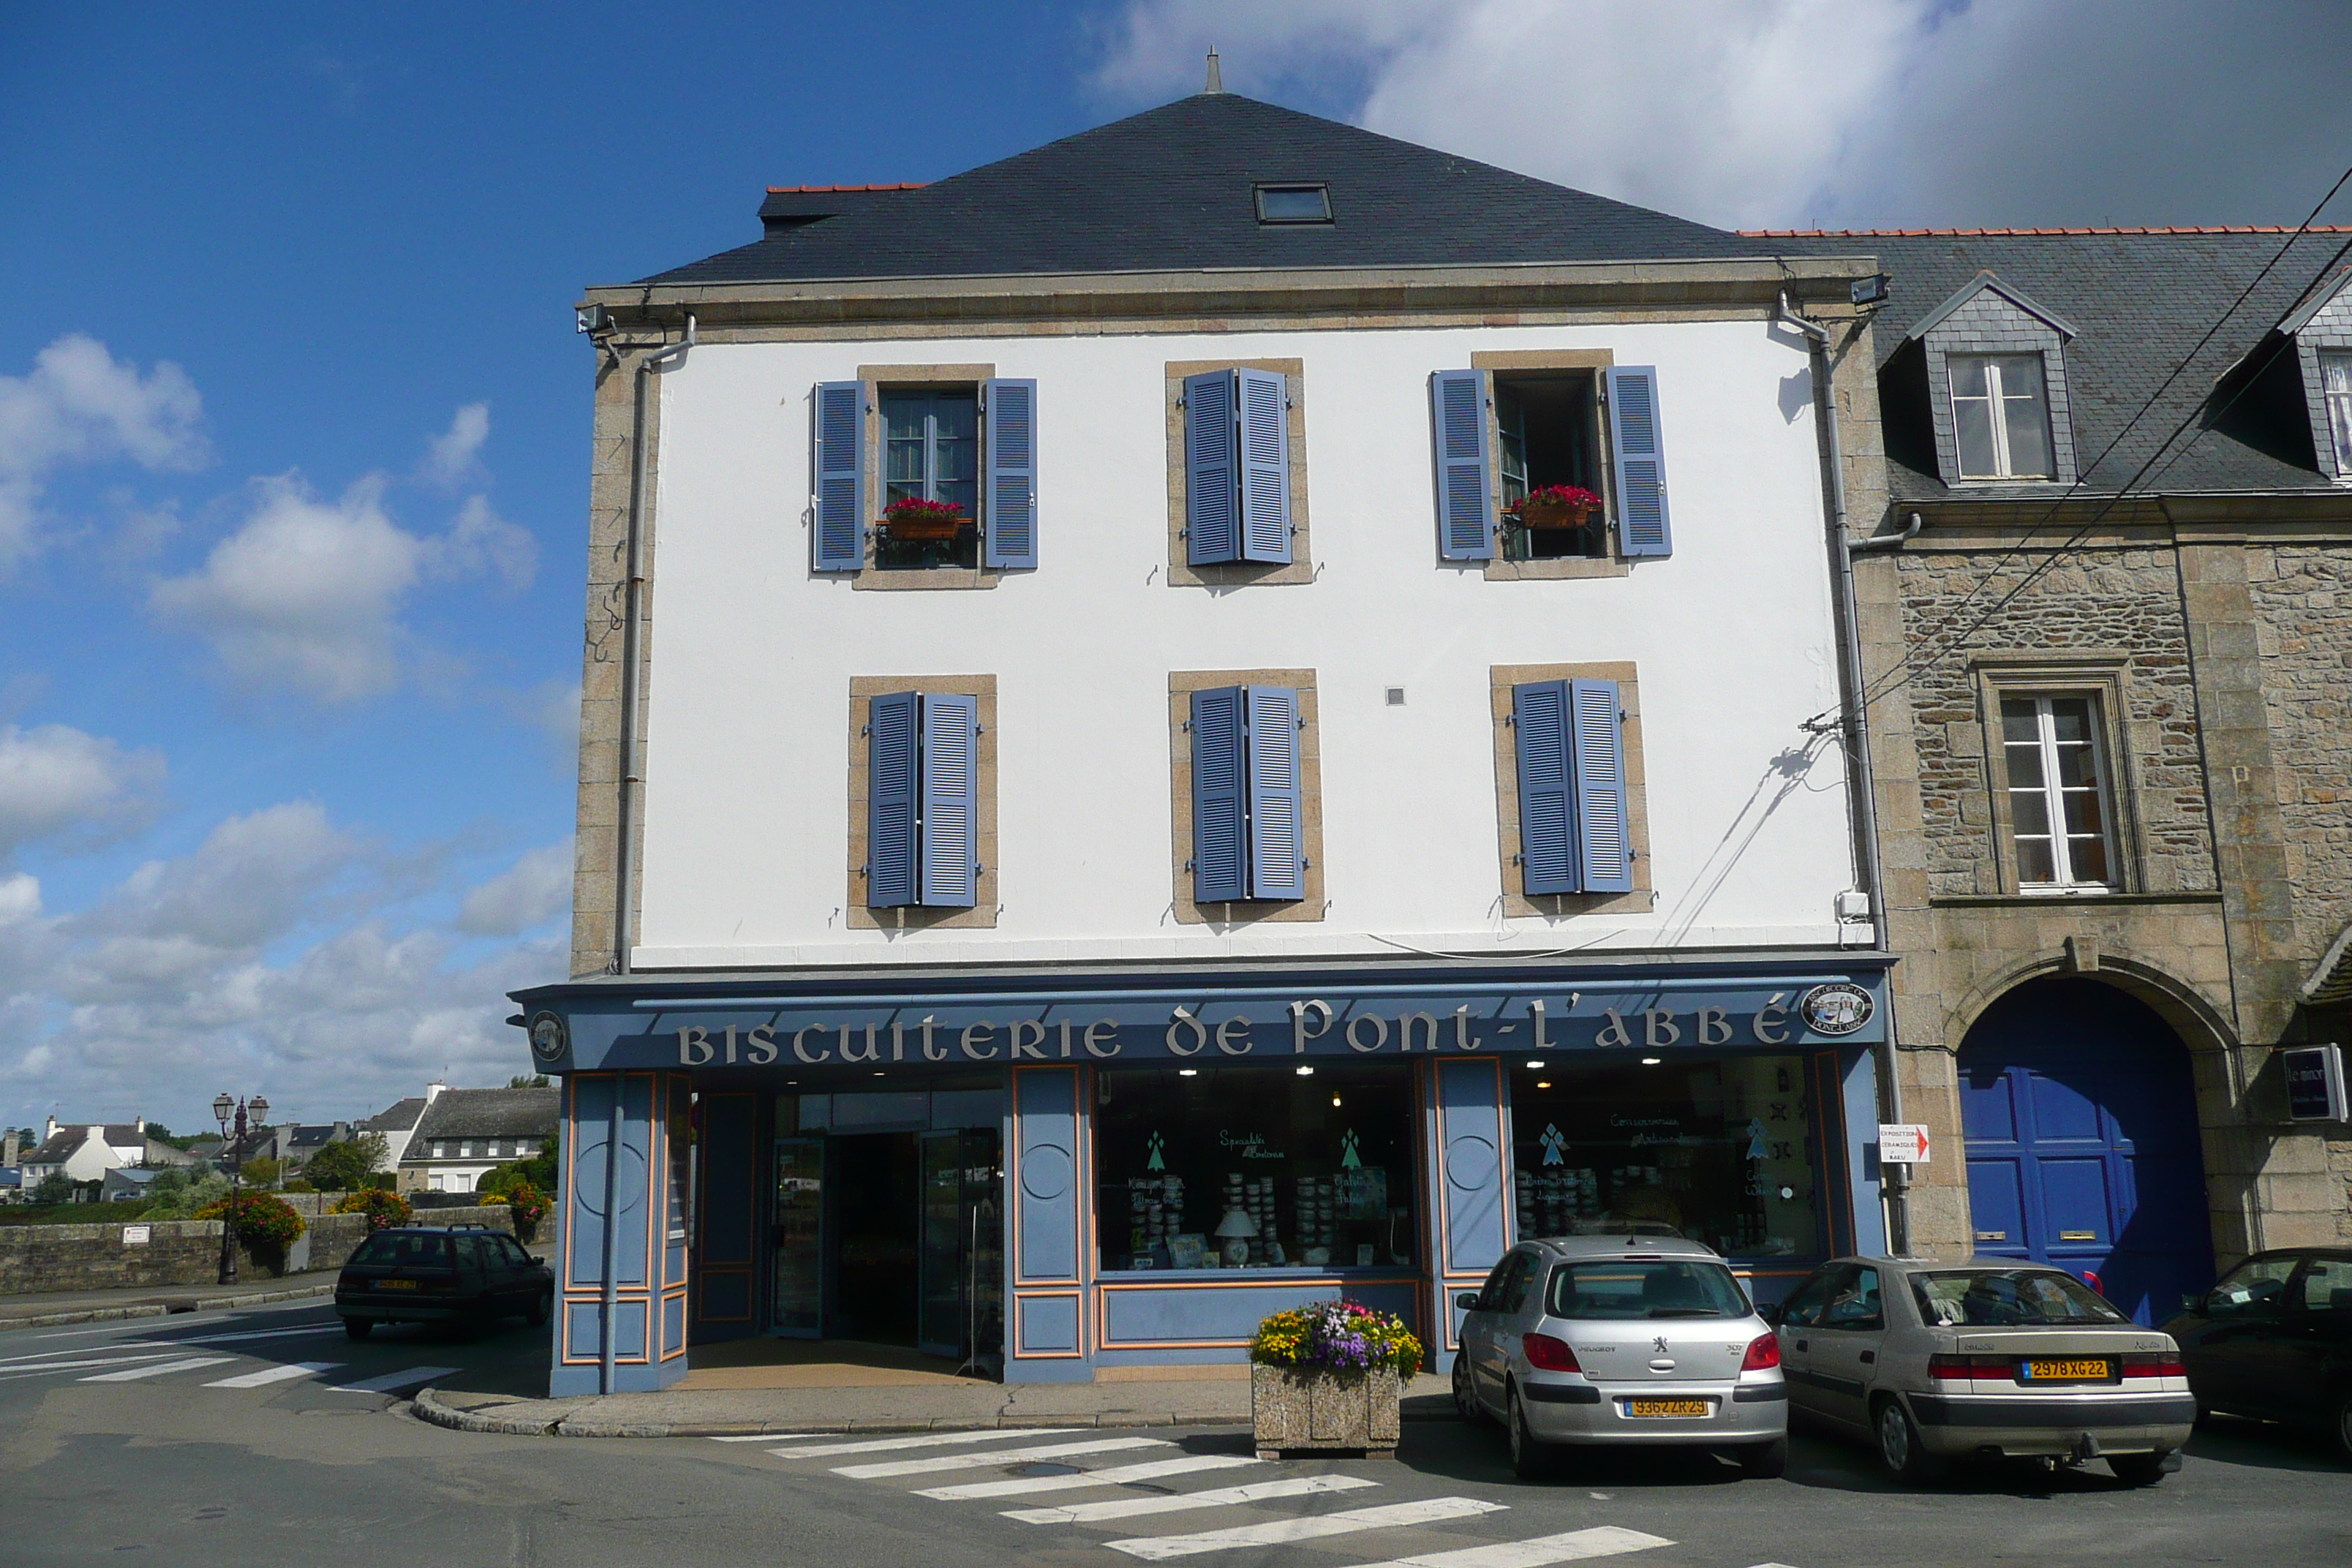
(1329, 1376)
(383, 1208)
(916, 518)
(265, 1226)
(1555, 506)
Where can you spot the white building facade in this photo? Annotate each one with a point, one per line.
(1346, 775)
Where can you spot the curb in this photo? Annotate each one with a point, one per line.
(159, 1310)
(429, 1408)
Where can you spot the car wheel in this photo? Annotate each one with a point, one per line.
(1531, 1457)
(540, 1305)
(1466, 1399)
(2343, 1433)
(2138, 1469)
(1900, 1453)
(1765, 1461)
(359, 1328)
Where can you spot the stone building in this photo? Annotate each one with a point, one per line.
(2106, 624)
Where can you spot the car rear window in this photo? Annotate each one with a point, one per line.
(385, 1251)
(1639, 1288)
(2003, 1298)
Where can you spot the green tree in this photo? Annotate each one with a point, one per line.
(53, 1188)
(341, 1167)
(261, 1173)
(179, 1193)
(533, 1081)
(163, 1134)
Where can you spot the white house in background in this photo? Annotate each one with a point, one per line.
(86, 1151)
(397, 1125)
(464, 1134)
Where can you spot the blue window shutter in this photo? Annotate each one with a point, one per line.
(1011, 408)
(893, 779)
(1603, 845)
(1547, 788)
(1641, 454)
(1465, 518)
(950, 870)
(1265, 399)
(839, 536)
(1212, 501)
(1220, 780)
(1277, 863)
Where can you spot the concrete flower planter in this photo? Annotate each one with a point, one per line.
(1298, 1409)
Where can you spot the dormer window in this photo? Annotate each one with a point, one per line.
(2335, 392)
(2001, 416)
(1294, 204)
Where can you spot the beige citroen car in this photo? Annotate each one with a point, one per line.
(1989, 1359)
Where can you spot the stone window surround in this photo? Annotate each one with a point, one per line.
(1181, 684)
(982, 915)
(1594, 360)
(2101, 677)
(872, 378)
(1959, 330)
(1182, 574)
(1516, 902)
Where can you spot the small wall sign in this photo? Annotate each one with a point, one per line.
(1902, 1143)
(136, 1235)
(2314, 1083)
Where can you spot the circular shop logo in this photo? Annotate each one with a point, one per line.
(548, 1038)
(1838, 1008)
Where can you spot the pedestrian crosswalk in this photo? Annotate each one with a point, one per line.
(921, 1454)
(155, 1369)
(149, 1362)
(270, 1374)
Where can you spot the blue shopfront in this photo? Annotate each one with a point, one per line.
(1050, 1175)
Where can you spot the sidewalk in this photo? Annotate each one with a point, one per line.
(54, 1309)
(857, 1401)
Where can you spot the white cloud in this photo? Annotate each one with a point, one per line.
(1785, 112)
(453, 458)
(534, 891)
(57, 782)
(81, 404)
(480, 541)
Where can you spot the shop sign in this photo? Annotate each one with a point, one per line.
(1902, 1143)
(1226, 1024)
(2315, 1084)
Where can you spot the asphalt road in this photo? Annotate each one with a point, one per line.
(116, 1445)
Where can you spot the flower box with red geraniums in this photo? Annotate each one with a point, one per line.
(1555, 506)
(923, 520)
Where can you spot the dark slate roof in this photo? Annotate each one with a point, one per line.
(487, 1113)
(2139, 300)
(317, 1135)
(59, 1146)
(1171, 189)
(400, 1118)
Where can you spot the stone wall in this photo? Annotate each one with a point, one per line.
(2303, 597)
(181, 1252)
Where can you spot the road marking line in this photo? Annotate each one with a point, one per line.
(392, 1380)
(161, 1347)
(1129, 1507)
(1280, 1531)
(92, 1361)
(1117, 1476)
(270, 1374)
(770, 1436)
(131, 1375)
(930, 1462)
(1575, 1546)
(931, 1440)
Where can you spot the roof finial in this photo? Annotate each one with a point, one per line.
(1216, 81)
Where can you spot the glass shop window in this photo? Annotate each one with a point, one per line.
(1257, 1167)
(1721, 1151)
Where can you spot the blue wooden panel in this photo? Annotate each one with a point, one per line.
(1457, 418)
(1639, 444)
(583, 1184)
(1046, 1177)
(1261, 405)
(1144, 1316)
(837, 542)
(2076, 1204)
(1997, 1204)
(1220, 789)
(1989, 1111)
(1213, 530)
(1859, 1104)
(672, 1325)
(1011, 409)
(724, 1297)
(1470, 1160)
(580, 1339)
(2062, 1111)
(1046, 1325)
(1539, 730)
(729, 1177)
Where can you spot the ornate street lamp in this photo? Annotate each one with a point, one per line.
(225, 1112)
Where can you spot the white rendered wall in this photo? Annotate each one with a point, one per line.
(748, 766)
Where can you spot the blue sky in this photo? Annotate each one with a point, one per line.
(292, 416)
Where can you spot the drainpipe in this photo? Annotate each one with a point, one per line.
(1860, 781)
(668, 357)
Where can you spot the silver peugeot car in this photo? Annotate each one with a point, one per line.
(1988, 1359)
(1620, 1337)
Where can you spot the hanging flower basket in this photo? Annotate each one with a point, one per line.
(1556, 506)
(923, 521)
(1329, 1377)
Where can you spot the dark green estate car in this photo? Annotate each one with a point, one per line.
(416, 1274)
(2273, 1340)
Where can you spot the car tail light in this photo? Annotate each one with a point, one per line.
(1546, 1353)
(1763, 1355)
(1971, 1366)
(2156, 1364)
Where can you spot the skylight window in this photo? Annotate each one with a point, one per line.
(1294, 204)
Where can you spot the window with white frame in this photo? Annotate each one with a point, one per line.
(2001, 416)
(2336, 390)
(2061, 821)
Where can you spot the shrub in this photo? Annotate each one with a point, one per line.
(383, 1208)
(262, 1221)
(179, 1193)
(1339, 1335)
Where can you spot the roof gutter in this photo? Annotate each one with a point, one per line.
(1861, 786)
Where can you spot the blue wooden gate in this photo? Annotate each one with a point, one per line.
(2083, 1150)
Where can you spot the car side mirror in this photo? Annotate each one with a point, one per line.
(1467, 1300)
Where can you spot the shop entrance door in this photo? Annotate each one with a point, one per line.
(796, 1240)
(963, 1245)
(878, 1237)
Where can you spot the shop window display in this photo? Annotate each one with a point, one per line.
(1722, 1150)
(1255, 1168)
